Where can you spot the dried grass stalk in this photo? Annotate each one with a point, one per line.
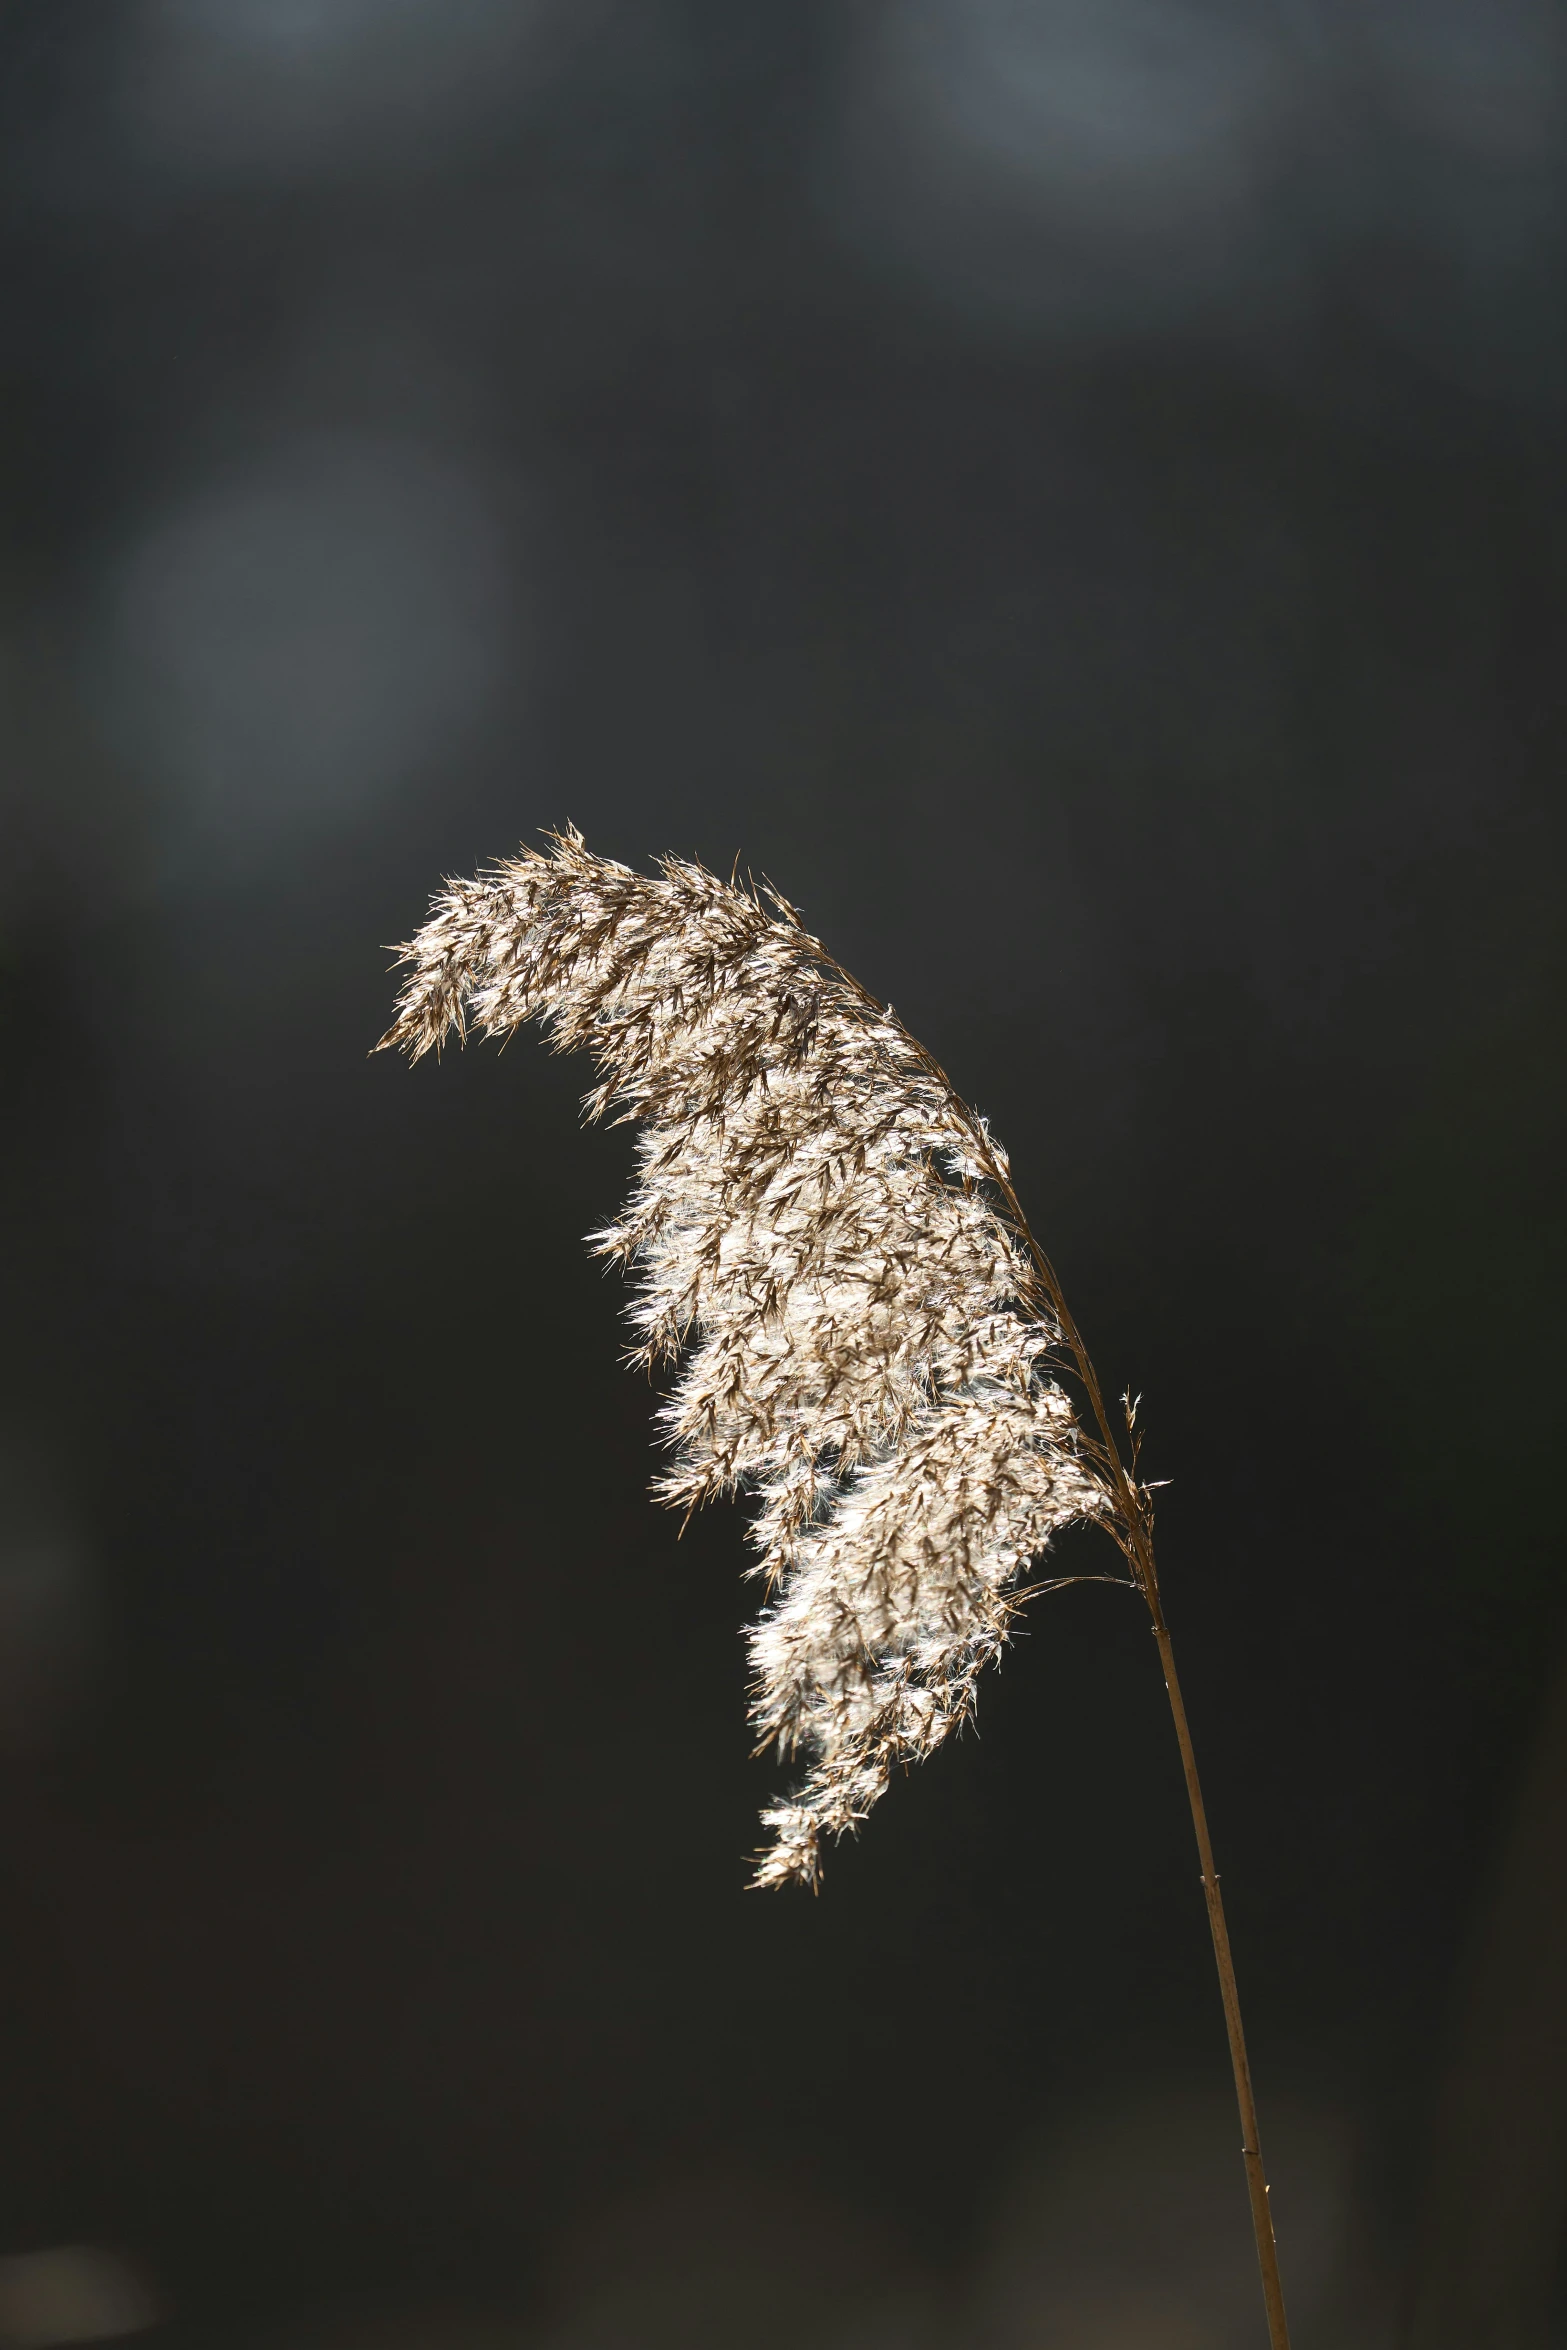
(871, 1341)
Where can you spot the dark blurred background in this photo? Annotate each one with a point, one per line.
(1073, 490)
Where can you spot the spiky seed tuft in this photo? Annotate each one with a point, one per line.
(827, 1235)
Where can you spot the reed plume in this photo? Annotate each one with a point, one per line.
(872, 1343)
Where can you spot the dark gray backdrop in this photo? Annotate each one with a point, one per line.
(1074, 493)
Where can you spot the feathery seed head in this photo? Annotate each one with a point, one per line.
(829, 1237)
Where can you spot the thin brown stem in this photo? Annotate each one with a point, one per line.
(1251, 2143)
(1134, 1531)
(1129, 1519)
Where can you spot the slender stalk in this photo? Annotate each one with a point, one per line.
(1133, 1531)
(1251, 2144)
(1131, 1526)
(1135, 1536)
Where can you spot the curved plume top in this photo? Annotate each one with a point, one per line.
(829, 1236)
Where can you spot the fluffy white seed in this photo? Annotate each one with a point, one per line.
(825, 1233)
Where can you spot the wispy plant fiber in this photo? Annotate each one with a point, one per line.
(828, 1236)
(870, 1331)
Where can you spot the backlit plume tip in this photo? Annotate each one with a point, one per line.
(823, 1236)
